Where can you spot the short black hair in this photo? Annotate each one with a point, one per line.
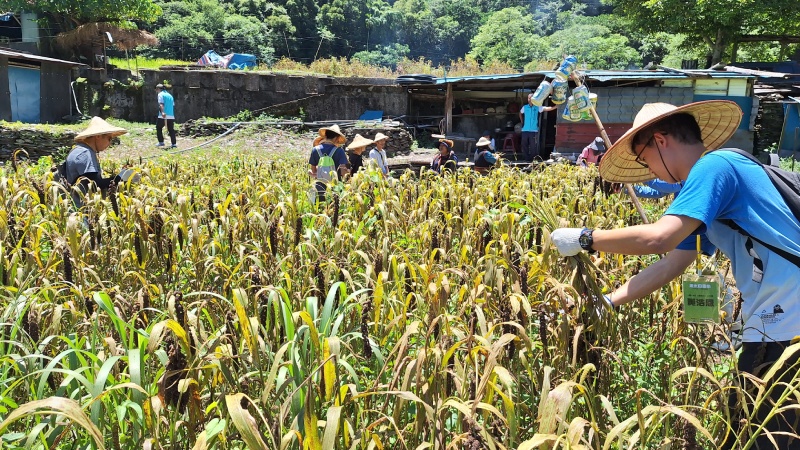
(682, 126)
(331, 134)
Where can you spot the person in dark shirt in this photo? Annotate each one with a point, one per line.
(485, 160)
(82, 165)
(356, 149)
(446, 159)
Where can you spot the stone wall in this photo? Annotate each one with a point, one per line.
(36, 143)
(224, 93)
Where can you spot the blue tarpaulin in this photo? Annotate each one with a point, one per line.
(371, 115)
(235, 61)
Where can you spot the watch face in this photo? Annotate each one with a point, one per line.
(585, 240)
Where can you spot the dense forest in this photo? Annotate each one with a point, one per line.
(524, 34)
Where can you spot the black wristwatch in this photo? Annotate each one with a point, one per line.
(586, 240)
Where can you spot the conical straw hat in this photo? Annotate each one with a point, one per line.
(718, 120)
(335, 128)
(358, 142)
(97, 127)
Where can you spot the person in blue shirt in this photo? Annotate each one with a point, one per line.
(674, 144)
(329, 143)
(656, 188)
(529, 116)
(166, 116)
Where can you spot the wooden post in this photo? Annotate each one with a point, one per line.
(607, 141)
(448, 110)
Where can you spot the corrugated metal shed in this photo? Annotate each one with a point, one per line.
(11, 54)
(621, 93)
(34, 88)
(591, 75)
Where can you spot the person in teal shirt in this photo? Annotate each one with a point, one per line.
(529, 116)
(166, 116)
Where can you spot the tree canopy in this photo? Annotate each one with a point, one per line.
(70, 13)
(619, 33)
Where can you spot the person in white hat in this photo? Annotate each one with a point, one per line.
(357, 148)
(327, 158)
(82, 162)
(722, 190)
(378, 154)
(485, 160)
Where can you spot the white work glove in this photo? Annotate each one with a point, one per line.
(566, 240)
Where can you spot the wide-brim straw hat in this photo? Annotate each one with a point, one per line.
(335, 128)
(98, 127)
(718, 121)
(483, 142)
(358, 142)
(379, 137)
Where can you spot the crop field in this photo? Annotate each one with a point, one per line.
(212, 305)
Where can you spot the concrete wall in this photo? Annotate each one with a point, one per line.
(223, 93)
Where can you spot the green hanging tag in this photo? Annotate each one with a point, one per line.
(701, 298)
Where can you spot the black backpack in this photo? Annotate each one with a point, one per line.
(788, 184)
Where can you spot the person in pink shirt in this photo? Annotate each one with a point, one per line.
(592, 152)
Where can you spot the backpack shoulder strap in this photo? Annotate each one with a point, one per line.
(787, 183)
(791, 257)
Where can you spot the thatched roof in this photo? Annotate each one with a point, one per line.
(87, 34)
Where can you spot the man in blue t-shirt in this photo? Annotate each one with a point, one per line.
(166, 116)
(673, 144)
(529, 116)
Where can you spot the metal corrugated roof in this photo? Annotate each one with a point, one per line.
(604, 75)
(29, 57)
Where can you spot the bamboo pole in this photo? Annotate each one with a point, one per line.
(607, 141)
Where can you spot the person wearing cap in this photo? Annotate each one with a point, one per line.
(592, 153)
(720, 189)
(166, 115)
(82, 163)
(446, 158)
(378, 154)
(485, 160)
(357, 148)
(529, 116)
(328, 143)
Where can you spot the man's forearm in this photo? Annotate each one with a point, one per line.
(659, 237)
(653, 277)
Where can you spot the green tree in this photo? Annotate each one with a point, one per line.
(456, 23)
(67, 14)
(353, 23)
(388, 55)
(593, 45)
(508, 36)
(416, 28)
(189, 28)
(301, 42)
(716, 24)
